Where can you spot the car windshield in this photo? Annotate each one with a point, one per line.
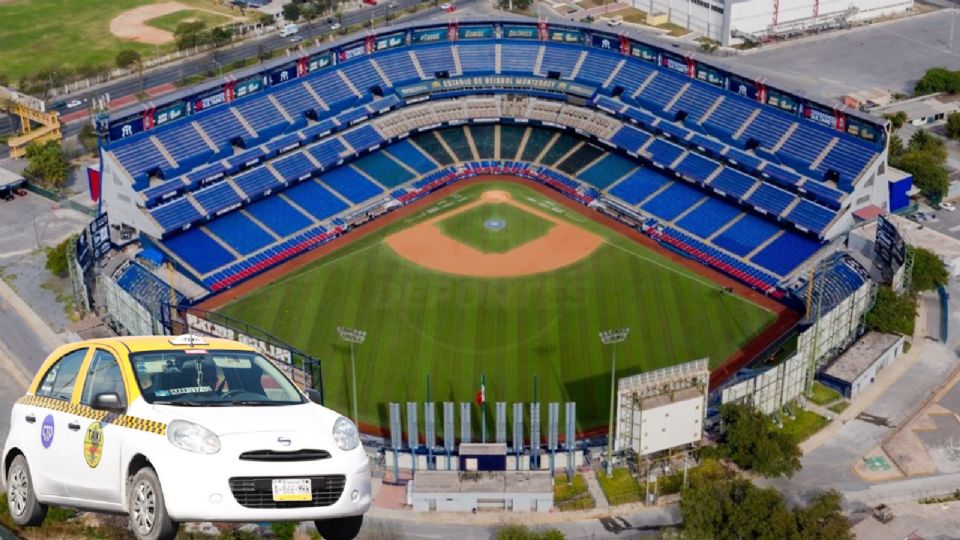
(212, 378)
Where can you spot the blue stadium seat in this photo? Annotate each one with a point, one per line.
(695, 101)
(771, 198)
(597, 67)
(277, 214)
(518, 58)
(697, 167)
(632, 75)
(663, 152)
(363, 137)
(151, 291)
(639, 185)
(362, 75)
(744, 236)
(263, 117)
(239, 232)
(351, 184)
(383, 169)
(217, 197)
(732, 182)
(560, 58)
(199, 250)
(435, 58)
(223, 127)
(327, 152)
(661, 90)
(407, 153)
(607, 170)
(729, 117)
(256, 181)
(672, 201)
(767, 128)
(630, 138)
(708, 218)
(332, 90)
(176, 214)
(811, 216)
(785, 253)
(398, 67)
(295, 167)
(316, 199)
(295, 99)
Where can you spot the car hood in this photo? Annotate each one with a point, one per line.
(239, 419)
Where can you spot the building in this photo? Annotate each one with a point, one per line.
(511, 491)
(730, 21)
(924, 110)
(859, 365)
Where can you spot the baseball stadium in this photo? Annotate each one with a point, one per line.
(482, 199)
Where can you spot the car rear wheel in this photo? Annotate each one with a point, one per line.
(148, 512)
(25, 509)
(345, 528)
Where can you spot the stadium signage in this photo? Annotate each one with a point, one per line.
(353, 52)
(782, 101)
(475, 32)
(709, 75)
(497, 81)
(742, 87)
(284, 73)
(248, 86)
(169, 114)
(208, 328)
(203, 103)
(429, 36)
(520, 32)
(389, 42)
(126, 127)
(609, 43)
(565, 36)
(645, 53)
(862, 129)
(319, 61)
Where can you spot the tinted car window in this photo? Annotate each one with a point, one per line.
(60, 379)
(104, 376)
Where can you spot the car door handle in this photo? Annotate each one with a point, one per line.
(31, 418)
(73, 426)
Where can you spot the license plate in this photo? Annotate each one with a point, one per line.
(297, 489)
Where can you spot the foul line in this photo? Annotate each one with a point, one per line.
(693, 277)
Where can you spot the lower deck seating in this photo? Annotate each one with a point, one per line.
(315, 199)
(351, 184)
(383, 169)
(239, 232)
(408, 154)
(639, 185)
(606, 171)
(708, 218)
(198, 250)
(747, 234)
(673, 201)
(279, 215)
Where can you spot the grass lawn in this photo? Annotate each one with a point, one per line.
(620, 488)
(675, 30)
(455, 328)
(572, 495)
(822, 395)
(633, 15)
(840, 407)
(804, 425)
(170, 21)
(519, 227)
(65, 34)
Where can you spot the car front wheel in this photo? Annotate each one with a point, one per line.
(345, 528)
(25, 509)
(145, 505)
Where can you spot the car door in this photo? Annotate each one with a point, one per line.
(44, 420)
(92, 456)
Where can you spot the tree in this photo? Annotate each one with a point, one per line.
(190, 34)
(892, 313)
(735, 509)
(822, 520)
(47, 164)
(938, 79)
(752, 441)
(522, 532)
(57, 258)
(309, 12)
(924, 141)
(291, 12)
(220, 36)
(266, 19)
(929, 174)
(127, 58)
(897, 119)
(896, 147)
(953, 125)
(929, 272)
(88, 137)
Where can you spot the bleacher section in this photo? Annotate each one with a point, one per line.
(739, 185)
(143, 285)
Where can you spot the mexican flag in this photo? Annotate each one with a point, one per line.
(482, 394)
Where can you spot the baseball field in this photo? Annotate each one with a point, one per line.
(500, 279)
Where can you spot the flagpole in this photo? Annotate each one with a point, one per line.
(483, 407)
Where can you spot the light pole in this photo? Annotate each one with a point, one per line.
(353, 337)
(612, 337)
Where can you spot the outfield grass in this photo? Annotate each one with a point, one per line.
(66, 34)
(170, 21)
(519, 227)
(453, 327)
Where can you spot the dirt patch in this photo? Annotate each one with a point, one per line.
(131, 24)
(425, 245)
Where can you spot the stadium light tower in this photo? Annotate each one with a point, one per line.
(354, 337)
(612, 337)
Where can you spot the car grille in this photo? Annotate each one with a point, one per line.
(277, 455)
(258, 492)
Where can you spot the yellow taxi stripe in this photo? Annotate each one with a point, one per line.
(122, 420)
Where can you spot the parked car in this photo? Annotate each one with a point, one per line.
(446, 6)
(169, 430)
(883, 514)
(948, 206)
(74, 103)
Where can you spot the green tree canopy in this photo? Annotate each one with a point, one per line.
(57, 258)
(752, 441)
(896, 119)
(892, 313)
(929, 272)
(938, 79)
(953, 125)
(924, 157)
(292, 12)
(127, 58)
(47, 164)
(190, 34)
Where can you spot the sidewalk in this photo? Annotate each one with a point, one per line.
(887, 378)
(593, 485)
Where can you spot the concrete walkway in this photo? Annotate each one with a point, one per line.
(593, 485)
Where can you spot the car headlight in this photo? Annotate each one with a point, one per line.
(192, 437)
(345, 434)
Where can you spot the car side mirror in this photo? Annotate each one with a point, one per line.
(314, 396)
(107, 401)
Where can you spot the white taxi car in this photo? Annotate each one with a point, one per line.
(180, 429)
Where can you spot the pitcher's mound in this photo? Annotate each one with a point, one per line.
(495, 196)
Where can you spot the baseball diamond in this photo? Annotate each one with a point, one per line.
(458, 322)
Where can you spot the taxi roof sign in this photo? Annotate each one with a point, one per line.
(187, 340)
